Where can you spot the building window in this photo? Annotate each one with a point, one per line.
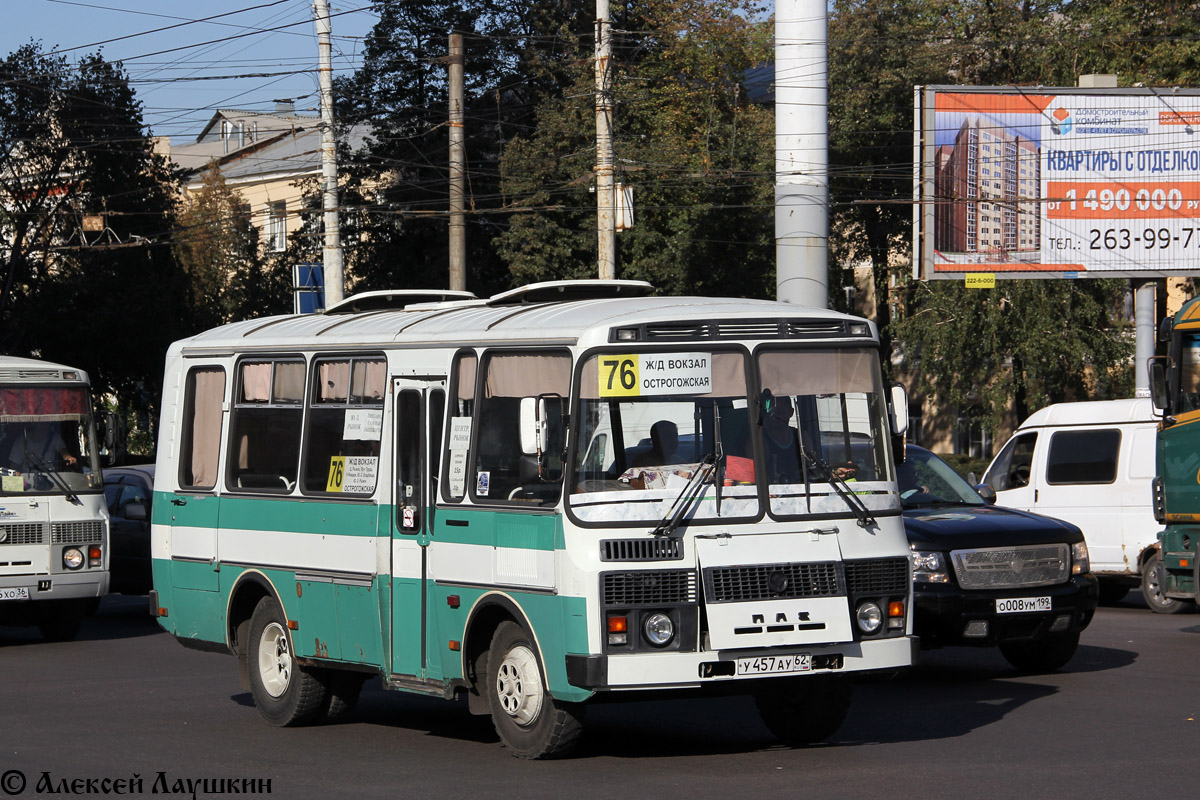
(277, 226)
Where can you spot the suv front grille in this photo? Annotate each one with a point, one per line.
(1010, 567)
(89, 532)
(773, 582)
(648, 587)
(21, 533)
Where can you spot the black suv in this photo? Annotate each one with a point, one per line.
(986, 576)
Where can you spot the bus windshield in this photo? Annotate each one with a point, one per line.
(46, 444)
(819, 419)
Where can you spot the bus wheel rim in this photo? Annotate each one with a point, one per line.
(519, 686)
(274, 659)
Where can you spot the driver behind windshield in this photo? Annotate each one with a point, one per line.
(37, 445)
(780, 439)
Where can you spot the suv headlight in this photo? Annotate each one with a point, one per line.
(1080, 563)
(929, 567)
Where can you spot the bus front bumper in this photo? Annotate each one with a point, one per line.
(693, 670)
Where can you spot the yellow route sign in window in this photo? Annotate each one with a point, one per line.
(638, 374)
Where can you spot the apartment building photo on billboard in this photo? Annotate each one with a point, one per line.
(1056, 182)
(987, 191)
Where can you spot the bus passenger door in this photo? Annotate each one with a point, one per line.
(417, 411)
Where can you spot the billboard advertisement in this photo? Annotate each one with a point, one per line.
(1047, 182)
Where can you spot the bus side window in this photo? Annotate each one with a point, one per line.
(437, 413)
(265, 426)
(458, 427)
(204, 395)
(345, 426)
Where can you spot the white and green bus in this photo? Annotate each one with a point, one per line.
(53, 519)
(566, 493)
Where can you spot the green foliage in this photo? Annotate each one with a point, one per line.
(72, 143)
(698, 155)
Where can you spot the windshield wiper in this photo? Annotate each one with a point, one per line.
(839, 484)
(689, 493)
(53, 475)
(718, 455)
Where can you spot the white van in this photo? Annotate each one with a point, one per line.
(1092, 464)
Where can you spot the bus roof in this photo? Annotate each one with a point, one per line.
(31, 370)
(528, 316)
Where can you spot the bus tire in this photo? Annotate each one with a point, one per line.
(341, 695)
(804, 711)
(284, 692)
(60, 620)
(1152, 589)
(529, 722)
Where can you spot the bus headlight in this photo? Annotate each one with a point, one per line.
(1080, 562)
(72, 558)
(658, 629)
(870, 617)
(929, 567)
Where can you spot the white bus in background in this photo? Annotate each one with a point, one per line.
(53, 519)
(463, 498)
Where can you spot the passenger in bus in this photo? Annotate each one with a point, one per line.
(782, 444)
(664, 442)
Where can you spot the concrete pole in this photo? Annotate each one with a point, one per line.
(802, 152)
(334, 276)
(606, 250)
(1144, 329)
(458, 159)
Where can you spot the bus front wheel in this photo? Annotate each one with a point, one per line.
(804, 711)
(285, 692)
(530, 722)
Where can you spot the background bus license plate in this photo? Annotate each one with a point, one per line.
(1019, 605)
(14, 593)
(772, 665)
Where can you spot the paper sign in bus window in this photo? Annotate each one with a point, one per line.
(354, 474)
(363, 424)
(642, 374)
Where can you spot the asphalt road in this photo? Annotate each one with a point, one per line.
(125, 700)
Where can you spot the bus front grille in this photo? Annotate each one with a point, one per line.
(648, 587)
(877, 576)
(773, 582)
(641, 550)
(88, 532)
(22, 533)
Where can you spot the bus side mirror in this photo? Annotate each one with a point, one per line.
(1158, 383)
(899, 410)
(533, 425)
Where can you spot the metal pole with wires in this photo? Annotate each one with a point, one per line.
(332, 258)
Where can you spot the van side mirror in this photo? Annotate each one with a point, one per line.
(135, 511)
(899, 410)
(1158, 383)
(533, 425)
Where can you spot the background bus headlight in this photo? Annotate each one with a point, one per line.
(870, 617)
(658, 629)
(72, 558)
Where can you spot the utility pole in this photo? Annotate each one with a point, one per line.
(334, 277)
(458, 225)
(606, 251)
(802, 152)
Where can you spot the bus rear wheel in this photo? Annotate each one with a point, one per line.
(285, 692)
(530, 722)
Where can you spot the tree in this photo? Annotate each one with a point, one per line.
(217, 247)
(72, 144)
(698, 155)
